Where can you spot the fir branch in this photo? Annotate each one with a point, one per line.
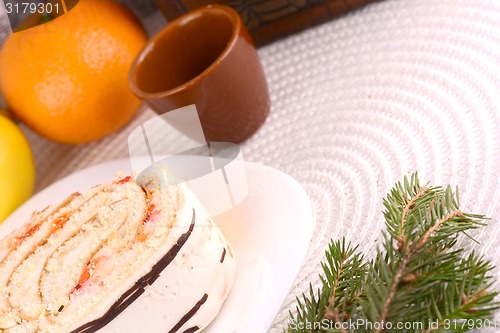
(464, 302)
(343, 272)
(435, 227)
(396, 281)
(418, 275)
(409, 251)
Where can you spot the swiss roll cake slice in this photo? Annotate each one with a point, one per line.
(116, 258)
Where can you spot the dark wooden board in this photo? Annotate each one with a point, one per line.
(269, 20)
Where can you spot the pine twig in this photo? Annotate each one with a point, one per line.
(418, 275)
(410, 251)
(423, 240)
(402, 244)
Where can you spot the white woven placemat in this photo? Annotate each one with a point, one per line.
(359, 102)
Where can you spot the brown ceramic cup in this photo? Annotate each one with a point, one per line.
(205, 57)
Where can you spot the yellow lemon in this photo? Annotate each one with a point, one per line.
(17, 169)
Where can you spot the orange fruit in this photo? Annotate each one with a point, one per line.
(67, 79)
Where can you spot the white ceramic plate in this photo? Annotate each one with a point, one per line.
(270, 232)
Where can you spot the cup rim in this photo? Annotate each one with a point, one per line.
(132, 77)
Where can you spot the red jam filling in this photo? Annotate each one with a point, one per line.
(124, 180)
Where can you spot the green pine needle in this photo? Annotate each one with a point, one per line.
(419, 280)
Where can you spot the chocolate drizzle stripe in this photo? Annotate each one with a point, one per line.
(192, 329)
(223, 255)
(139, 287)
(190, 314)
